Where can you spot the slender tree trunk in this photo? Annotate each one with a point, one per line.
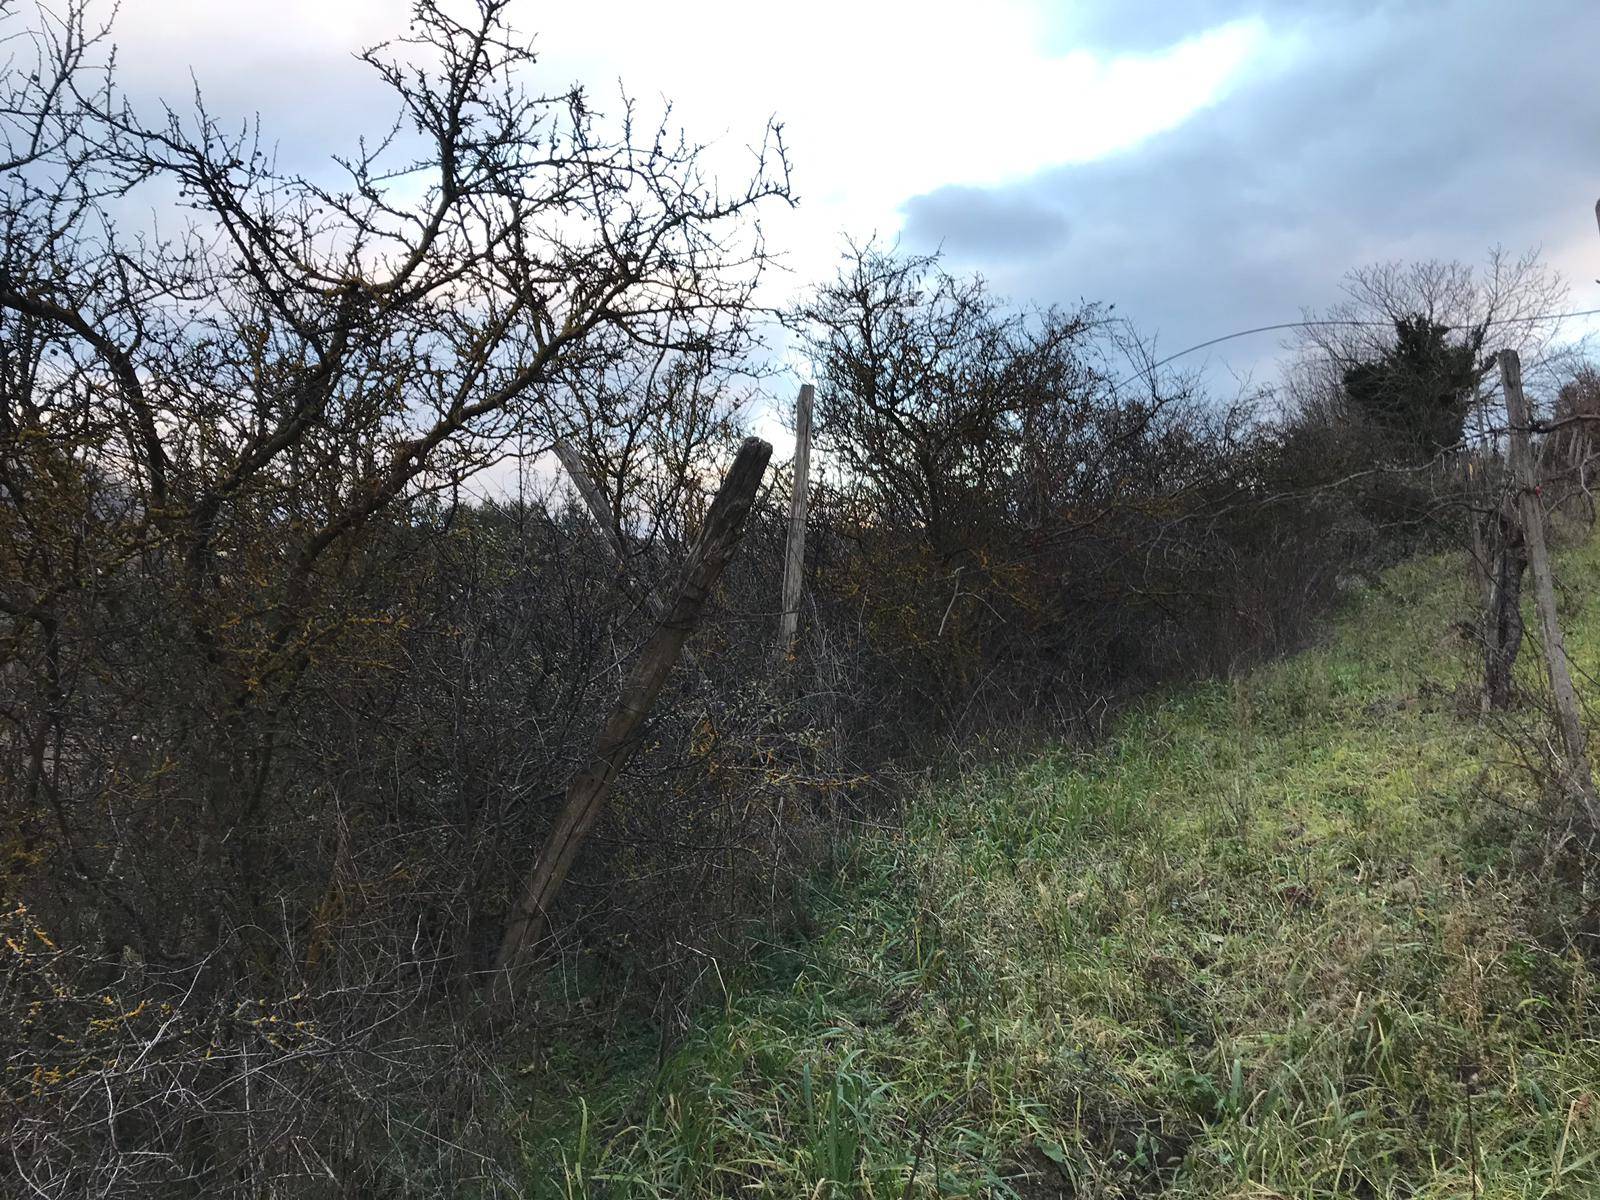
(1478, 490)
(1503, 617)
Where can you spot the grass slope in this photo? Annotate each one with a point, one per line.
(1275, 939)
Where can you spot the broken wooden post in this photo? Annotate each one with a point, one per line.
(586, 794)
(794, 559)
(1569, 719)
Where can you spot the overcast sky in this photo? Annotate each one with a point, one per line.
(1206, 165)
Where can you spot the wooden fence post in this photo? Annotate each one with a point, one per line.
(586, 794)
(1569, 719)
(794, 559)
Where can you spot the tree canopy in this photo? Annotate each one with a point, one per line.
(1418, 391)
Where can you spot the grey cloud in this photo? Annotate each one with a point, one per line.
(974, 222)
(1400, 134)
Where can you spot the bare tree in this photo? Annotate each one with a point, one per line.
(232, 452)
(257, 386)
(1519, 297)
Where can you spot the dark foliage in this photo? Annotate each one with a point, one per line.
(1417, 393)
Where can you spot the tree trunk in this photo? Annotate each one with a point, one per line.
(1503, 618)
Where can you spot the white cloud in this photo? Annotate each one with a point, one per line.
(885, 100)
(881, 99)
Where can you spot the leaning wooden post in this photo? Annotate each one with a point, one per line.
(586, 794)
(600, 512)
(794, 559)
(1569, 721)
(596, 503)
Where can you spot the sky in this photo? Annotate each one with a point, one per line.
(1206, 166)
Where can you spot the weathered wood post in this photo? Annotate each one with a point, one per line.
(586, 794)
(600, 512)
(596, 503)
(794, 559)
(1569, 721)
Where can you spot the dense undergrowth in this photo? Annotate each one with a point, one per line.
(1289, 935)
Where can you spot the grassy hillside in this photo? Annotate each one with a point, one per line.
(1279, 937)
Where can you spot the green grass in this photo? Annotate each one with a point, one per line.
(1254, 946)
